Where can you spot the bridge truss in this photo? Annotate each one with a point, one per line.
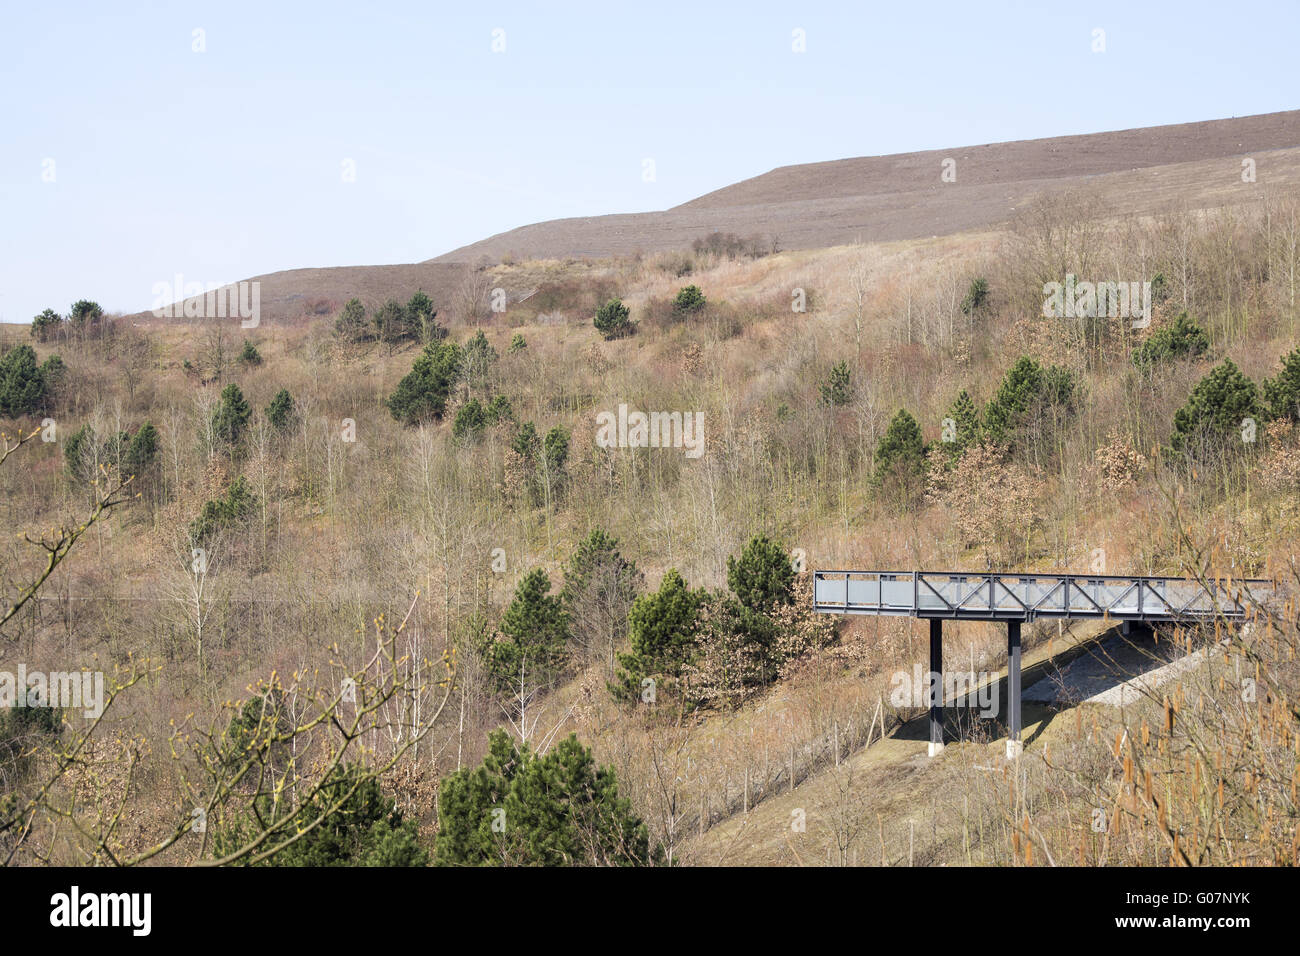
(1019, 598)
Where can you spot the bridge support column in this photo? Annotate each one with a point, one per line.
(936, 685)
(1014, 746)
(1138, 630)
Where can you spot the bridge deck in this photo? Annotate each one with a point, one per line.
(1017, 598)
(1026, 597)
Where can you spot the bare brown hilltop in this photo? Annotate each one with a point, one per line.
(901, 196)
(867, 199)
(1033, 160)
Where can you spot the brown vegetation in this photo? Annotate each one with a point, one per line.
(358, 523)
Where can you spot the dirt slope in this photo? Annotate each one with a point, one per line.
(868, 199)
(1063, 157)
(902, 197)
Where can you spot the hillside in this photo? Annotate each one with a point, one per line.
(1038, 160)
(369, 539)
(901, 196)
(871, 199)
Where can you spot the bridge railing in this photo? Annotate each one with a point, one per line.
(1025, 597)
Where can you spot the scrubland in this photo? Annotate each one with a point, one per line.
(375, 559)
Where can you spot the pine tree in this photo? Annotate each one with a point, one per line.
(220, 513)
(662, 628)
(762, 580)
(474, 417)
(762, 577)
(552, 478)
(1027, 393)
(47, 325)
(232, 414)
(1019, 388)
(534, 635)
(85, 316)
(1159, 287)
(351, 324)
(250, 355)
(526, 444)
(963, 427)
(471, 807)
(523, 464)
(421, 311)
(23, 386)
(599, 588)
(612, 319)
(521, 809)
(689, 300)
(420, 304)
(282, 413)
(499, 410)
(141, 452)
(1183, 338)
(975, 296)
(900, 456)
(470, 420)
(21, 725)
(1216, 412)
(52, 370)
(837, 390)
(365, 828)
(556, 447)
(258, 732)
(422, 394)
(79, 453)
(477, 360)
(394, 323)
(1282, 392)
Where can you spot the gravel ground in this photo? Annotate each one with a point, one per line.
(1111, 672)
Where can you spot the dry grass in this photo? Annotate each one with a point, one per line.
(346, 530)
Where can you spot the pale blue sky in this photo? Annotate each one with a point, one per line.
(227, 163)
